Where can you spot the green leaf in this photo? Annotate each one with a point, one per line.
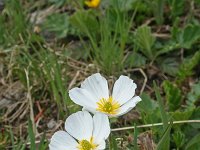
(194, 143)
(145, 40)
(58, 24)
(182, 115)
(12, 139)
(31, 135)
(58, 2)
(163, 143)
(176, 7)
(169, 65)
(178, 138)
(151, 117)
(168, 47)
(196, 116)
(42, 144)
(194, 95)
(188, 36)
(123, 5)
(158, 11)
(186, 69)
(85, 21)
(173, 95)
(161, 106)
(157, 7)
(135, 60)
(112, 142)
(135, 138)
(147, 104)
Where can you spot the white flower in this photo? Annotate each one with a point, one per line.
(84, 132)
(94, 95)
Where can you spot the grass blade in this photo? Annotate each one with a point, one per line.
(165, 138)
(161, 106)
(135, 138)
(113, 144)
(163, 116)
(42, 145)
(31, 135)
(12, 139)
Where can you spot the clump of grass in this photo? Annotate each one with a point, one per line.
(108, 35)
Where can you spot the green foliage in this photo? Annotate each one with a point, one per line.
(145, 40)
(196, 115)
(123, 5)
(164, 142)
(173, 95)
(107, 38)
(42, 144)
(58, 24)
(13, 23)
(5, 136)
(135, 138)
(157, 7)
(31, 135)
(178, 138)
(186, 68)
(176, 7)
(112, 143)
(194, 95)
(85, 21)
(19, 146)
(58, 2)
(46, 72)
(194, 143)
(168, 65)
(147, 104)
(188, 36)
(135, 60)
(168, 47)
(182, 115)
(161, 106)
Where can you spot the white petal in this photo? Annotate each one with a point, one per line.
(102, 145)
(80, 125)
(83, 97)
(97, 85)
(92, 110)
(101, 127)
(62, 140)
(129, 105)
(124, 89)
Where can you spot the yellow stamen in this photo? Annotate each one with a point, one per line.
(92, 3)
(108, 106)
(87, 145)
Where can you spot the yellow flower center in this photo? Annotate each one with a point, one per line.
(87, 145)
(92, 3)
(108, 106)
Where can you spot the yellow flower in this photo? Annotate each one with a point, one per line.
(92, 3)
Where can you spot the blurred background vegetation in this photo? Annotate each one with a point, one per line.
(49, 46)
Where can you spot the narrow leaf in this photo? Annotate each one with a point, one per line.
(31, 135)
(163, 116)
(194, 143)
(135, 138)
(165, 138)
